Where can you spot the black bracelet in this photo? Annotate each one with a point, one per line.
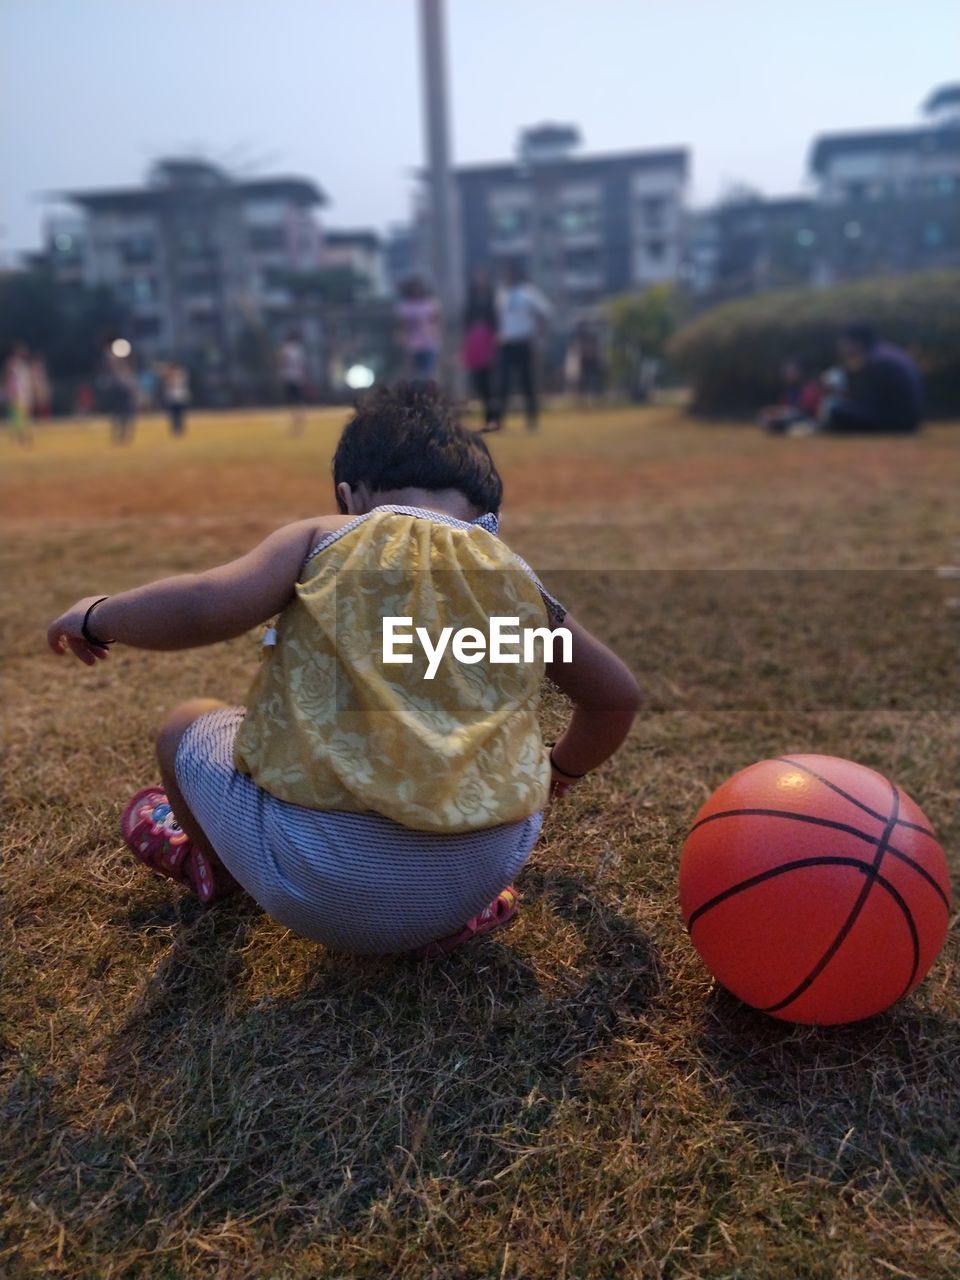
(85, 628)
(574, 777)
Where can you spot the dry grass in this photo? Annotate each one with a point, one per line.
(194, 1093)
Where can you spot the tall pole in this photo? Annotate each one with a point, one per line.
(443, 254)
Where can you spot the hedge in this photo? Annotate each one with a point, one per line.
(731, 355)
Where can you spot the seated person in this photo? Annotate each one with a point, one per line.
(885, 387)
(799, 400)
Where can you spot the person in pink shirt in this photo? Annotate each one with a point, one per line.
(418, 317)
(479, 350)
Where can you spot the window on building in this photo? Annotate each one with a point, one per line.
(194, 242)
(136, 250)
(143, 290)
(654, 210)
(856, 191)
(656, 250)
(267, 239)
(509, 222)
(146, 326)
(581, 260)
(67, 247)
(584, 295)
(513, 261)
(933, 235)
(575, 219)
(203, 324)
(272, 279)
(197, 283)
(278, 318)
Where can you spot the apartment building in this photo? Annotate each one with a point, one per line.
(195, 255)
(584, 227)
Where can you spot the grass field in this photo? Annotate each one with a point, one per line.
(191, 1093)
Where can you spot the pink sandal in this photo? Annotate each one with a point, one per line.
(500, 912)
(158, 841)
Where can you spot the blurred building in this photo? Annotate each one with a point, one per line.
(583, 227)
(748, 244)
(889, 200)
(360, 252)
(400, 255)
(200, 259)
(884, 201)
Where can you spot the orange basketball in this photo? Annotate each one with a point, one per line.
(814, 889)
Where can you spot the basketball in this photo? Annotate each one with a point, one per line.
(814, 889)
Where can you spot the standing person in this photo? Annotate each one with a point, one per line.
(884, 386)
(479, 352)
(41, 387)
(522, 313)
(83, 400)
(418, 318)
(120, 391)
(18, 390)
(147, 385)
(292, 364)
(176, 395)
(583, 367)
(591, 365)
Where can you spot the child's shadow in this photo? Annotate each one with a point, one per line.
(371, 1077)
(871, 1103)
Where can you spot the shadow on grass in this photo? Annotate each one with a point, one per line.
(370, 1082)
(873, 1106)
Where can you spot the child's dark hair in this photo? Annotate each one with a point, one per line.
(407, 437)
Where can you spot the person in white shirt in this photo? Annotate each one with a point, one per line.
(19, 393)
(292, 363)
(522, 313)
(176, 395)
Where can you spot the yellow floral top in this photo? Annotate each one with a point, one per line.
(330, 725)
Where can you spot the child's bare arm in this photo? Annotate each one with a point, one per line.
(195, 608)
(605, 698)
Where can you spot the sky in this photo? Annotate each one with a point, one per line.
(91, 91)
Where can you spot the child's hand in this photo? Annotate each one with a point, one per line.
(66, 632)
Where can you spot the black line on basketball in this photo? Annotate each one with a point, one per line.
(823, 860)
(851, 919)
(921, 871)
(911, 925)
(810, 818)
(907, 914)
(834, 826)
(805, 768)
(863, 867)
(874, 813)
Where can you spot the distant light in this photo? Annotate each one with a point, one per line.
(852, 230)
(359, 377)
(805, 237)
(63, 242)
(120, 348)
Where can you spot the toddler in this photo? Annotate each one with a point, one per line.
(372, 805)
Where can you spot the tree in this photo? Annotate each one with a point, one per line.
(65, 323)
(641, 325)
